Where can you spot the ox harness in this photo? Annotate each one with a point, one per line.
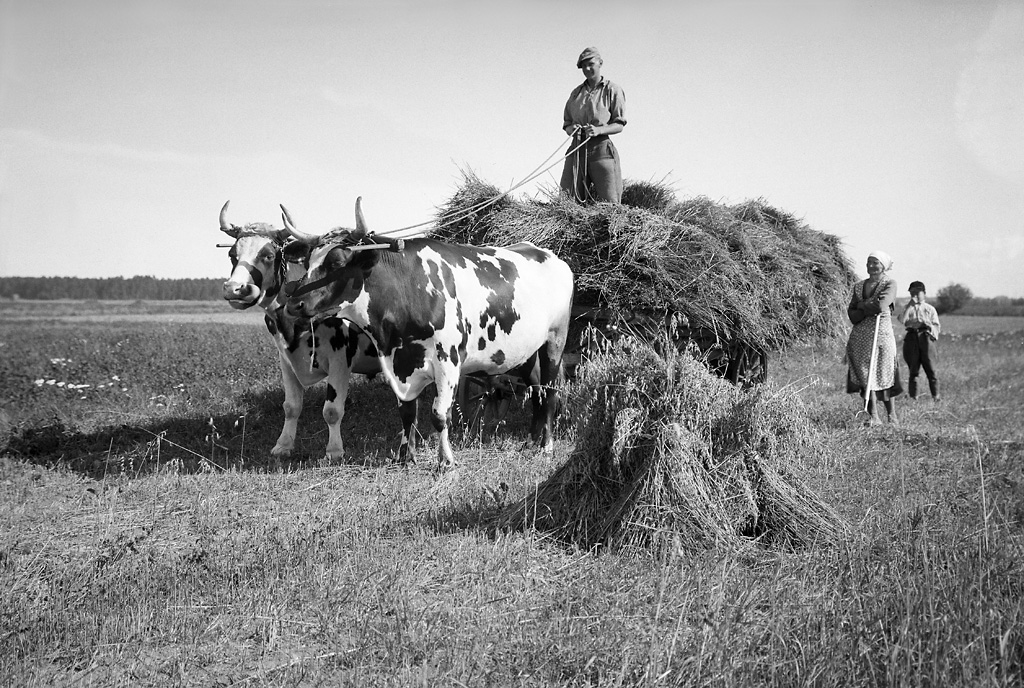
(375, 243)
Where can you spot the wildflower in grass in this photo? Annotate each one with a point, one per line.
(214, 434)
(61, 384)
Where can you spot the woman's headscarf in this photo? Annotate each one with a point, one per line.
(884, 258)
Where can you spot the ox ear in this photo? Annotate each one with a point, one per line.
(296, 252)
(361, 228)
(225, 226)
(289, 227)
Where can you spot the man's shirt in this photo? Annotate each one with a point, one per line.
(917, 314)
(601, 105)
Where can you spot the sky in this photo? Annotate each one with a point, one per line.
(126, 124)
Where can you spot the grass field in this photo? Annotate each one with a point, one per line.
(146, 538)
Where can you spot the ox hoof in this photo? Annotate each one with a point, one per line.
(279, 453)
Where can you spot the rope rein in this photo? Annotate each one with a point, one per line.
(452, 218)
(398, 243)
(312, 347)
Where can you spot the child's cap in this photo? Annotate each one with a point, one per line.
(916, 286)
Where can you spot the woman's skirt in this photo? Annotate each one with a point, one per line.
(886, 379)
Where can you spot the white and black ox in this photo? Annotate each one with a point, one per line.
(437, 311)
(329, 350)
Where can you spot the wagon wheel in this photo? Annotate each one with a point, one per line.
(481, 401)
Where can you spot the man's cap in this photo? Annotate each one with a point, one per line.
(587, 54)
(916, 286)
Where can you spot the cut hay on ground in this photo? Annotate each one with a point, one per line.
(753, 274)
(667, 454)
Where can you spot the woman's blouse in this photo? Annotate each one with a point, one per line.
(872, 300)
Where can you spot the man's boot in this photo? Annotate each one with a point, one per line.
(933, 385)
(912, 388)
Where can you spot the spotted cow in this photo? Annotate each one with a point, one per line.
(436, 311)
(330, 349)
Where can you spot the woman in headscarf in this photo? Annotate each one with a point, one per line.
(595, 110)
(870, 311)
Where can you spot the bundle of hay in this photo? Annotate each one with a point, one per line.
(667, 454)
(750, 273)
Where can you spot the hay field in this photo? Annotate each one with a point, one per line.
(71, 311)
(146, 540)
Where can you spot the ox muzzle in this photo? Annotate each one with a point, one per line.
(240, 295)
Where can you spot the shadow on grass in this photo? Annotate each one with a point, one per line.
(193, 442)
(196, 442)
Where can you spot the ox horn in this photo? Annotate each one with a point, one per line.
(301, 237)
(361, 227)
(226, 226)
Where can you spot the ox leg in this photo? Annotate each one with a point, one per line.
(407, 411)
(293, 394)
(440, 412)
(546, 402)
(531, 375)
(334, 411)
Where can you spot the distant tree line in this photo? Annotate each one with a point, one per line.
(999, 305)
(110, 288)
(957, 298)
(952, 297)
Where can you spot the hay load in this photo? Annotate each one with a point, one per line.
(668, 455)
(751, 274)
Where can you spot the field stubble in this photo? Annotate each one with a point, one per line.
(147, 540)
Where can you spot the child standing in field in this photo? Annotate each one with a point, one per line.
(922, 323)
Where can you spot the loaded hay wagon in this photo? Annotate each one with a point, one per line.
(729, 284)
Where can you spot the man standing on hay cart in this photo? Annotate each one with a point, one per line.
(595, 110)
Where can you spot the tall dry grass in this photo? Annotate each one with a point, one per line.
(232, 572)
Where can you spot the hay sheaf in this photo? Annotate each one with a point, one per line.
(753, 274)
(668, 454)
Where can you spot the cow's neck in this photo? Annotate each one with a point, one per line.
(274, 303)
(289, 327)
(378, 310)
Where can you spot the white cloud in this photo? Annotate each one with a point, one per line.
(990, 99)
(999, 249)
(36, 139)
